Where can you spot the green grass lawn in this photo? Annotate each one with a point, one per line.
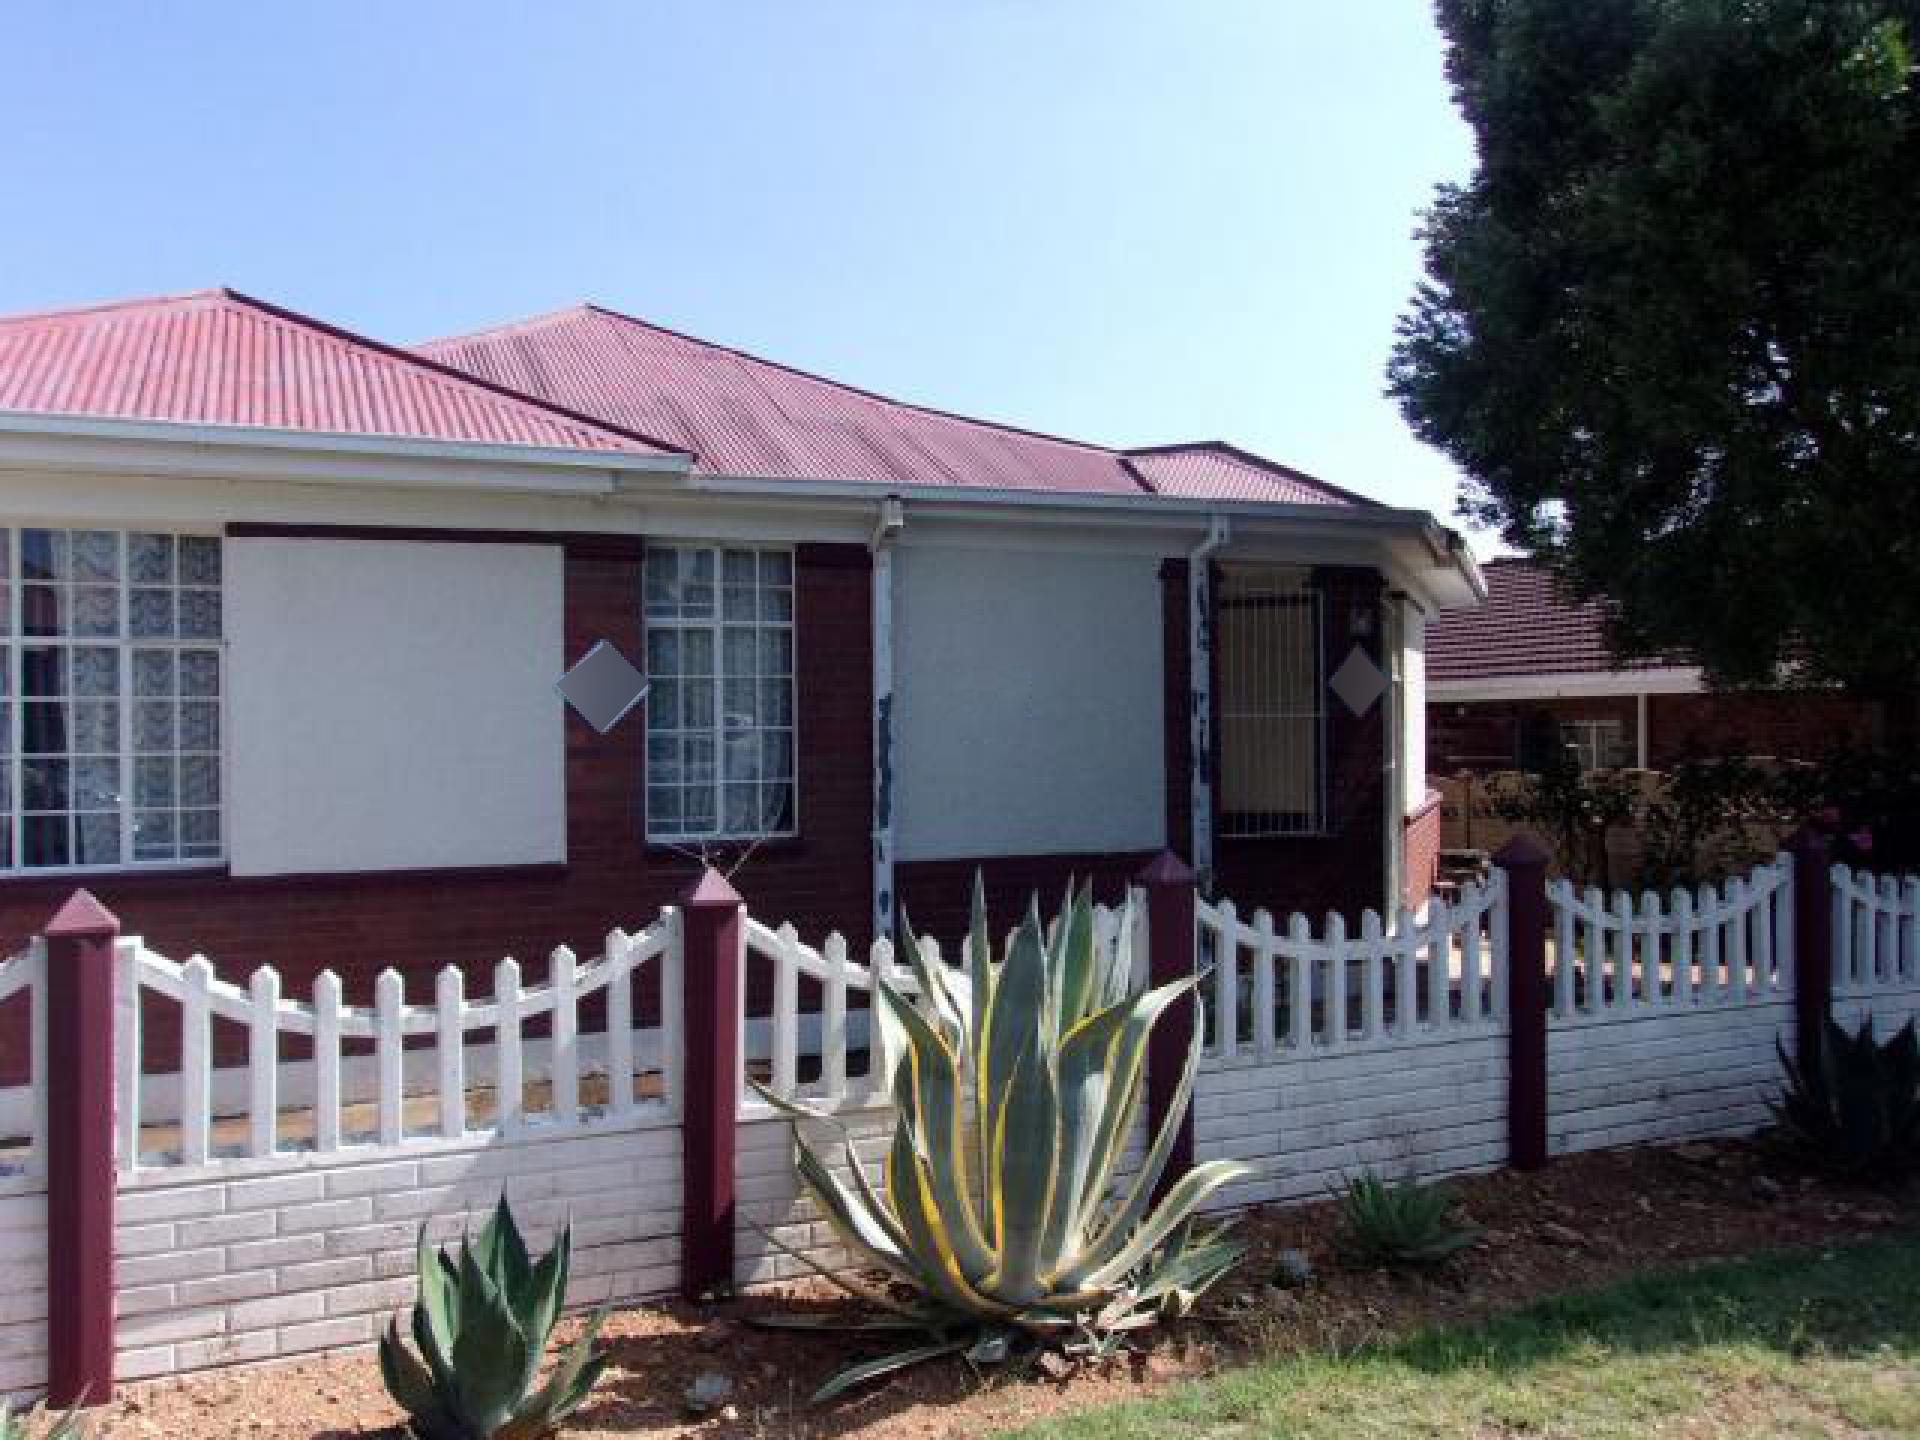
(1816, 1343)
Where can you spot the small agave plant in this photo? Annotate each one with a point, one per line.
(1000, 1207)
(481, 1325)
(1854, 1107)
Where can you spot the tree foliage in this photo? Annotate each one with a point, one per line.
(1671, 328)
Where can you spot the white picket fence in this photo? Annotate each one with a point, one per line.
(418, 1053)
(24, 1166)
(1715, 945)
(834, 1032)
(1276, 990)
(1876, 930)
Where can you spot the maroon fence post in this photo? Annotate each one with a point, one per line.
(79, 1158)
(711, 1016)
(1170, 956)
(1812, 941)
(1524, 864)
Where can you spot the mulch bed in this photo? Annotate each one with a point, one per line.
(1584, 1221)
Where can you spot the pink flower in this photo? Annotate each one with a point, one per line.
(1830, 817)
(1862, 841)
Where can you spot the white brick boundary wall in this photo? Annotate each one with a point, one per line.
(1388, 1050)
(219, 1270)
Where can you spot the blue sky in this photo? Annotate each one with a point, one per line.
(1129, 222)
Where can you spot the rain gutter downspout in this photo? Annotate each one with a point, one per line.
(887, 525)
(1200, 692)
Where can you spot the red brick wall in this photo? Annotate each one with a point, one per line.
(1420, 851)
(937, 895)
(1783, 723)
(359, 924)
(1483, 735)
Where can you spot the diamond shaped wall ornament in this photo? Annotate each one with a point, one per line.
(603, 686)
(1358, 681)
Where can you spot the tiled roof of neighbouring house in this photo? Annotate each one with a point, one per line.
(219, 358)
(1527, 627)
(741, 415)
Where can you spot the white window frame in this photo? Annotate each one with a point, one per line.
(15, 642)
(716, 625)
(1587, 738)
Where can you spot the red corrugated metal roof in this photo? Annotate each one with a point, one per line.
(1215, 470)
(1527, 627)
(219, 358)
(741, 415)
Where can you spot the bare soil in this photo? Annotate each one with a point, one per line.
(1584, 1221)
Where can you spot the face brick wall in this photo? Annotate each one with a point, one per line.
(358, 925)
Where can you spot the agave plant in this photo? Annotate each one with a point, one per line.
(482, 1324)
(1000, 1207)
(1399, 1224)
(35, 1423)
(1854, 1108)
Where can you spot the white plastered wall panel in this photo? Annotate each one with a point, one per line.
(1028, 702)
(391, 705)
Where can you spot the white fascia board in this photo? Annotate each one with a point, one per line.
(67, 443)
(1569, 685)
(1407, 541)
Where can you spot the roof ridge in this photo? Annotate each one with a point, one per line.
(1254, 458)
(451, 372)
(103, 307)
(589, 307)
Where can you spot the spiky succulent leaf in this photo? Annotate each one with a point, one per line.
(480, 1326)
(1048, 1050)
(1854, 1107)
(933, 1072)
(1399, 1224)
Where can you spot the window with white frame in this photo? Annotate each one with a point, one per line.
(110, 698)
(720, 715)
(1267, 654)
(1595, 744)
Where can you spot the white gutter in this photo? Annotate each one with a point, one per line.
(1200, 693)
(31, 423)
(1568, 685)
(887, 526)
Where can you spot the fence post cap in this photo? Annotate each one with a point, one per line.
(1521, 851)
(1166, 868)
(1807, 841)
(82, 915)
(711, 890)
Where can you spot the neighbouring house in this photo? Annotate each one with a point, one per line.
(285, 609)
(1531, 667)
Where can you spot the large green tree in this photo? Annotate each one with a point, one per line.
(1671, 328)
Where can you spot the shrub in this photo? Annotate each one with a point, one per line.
(1711, 818)
(1399, 1225)
(36, 1423)
(1008, 1233)
(481, 1325)
(1855, 1110)
(1575, 808)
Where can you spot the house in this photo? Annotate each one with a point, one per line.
(287, 607)
(1532, 667)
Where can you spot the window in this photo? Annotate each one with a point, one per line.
(1267, 654)
(720, 728)
(1596, 744)
(109, 698)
